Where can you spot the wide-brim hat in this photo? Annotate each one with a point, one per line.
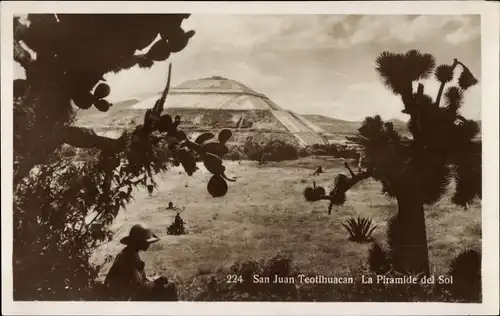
(138, 234)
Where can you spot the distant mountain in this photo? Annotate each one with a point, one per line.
(340, 128)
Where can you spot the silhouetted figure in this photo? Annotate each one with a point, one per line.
(170, 206)
(126, 280)
(361, 161)
(318, 171)
(262, 159)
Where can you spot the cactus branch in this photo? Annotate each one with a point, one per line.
(441, 87)
(349, 168)
(86, 138)
(160, 104)
(82, 137)
(22, 56)
(346, 186)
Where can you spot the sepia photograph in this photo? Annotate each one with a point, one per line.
(284, 157)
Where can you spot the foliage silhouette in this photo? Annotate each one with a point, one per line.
(274, 150)
(63, 207)
(214, 286)
(416, 171)
(177, 226)
(360, 229)
(465, 268)
(314, 193)
(380, 258)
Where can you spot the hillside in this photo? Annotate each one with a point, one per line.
(338, 129)
(121, 117)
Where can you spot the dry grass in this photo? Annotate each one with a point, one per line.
(264, 213)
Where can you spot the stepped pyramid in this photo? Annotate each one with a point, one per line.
(209, 104)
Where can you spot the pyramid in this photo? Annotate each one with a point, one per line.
(210, 104)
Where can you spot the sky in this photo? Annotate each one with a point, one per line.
(313, 64)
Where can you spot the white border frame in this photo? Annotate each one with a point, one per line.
(489, 12)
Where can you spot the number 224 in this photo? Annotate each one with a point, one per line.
(232, 278)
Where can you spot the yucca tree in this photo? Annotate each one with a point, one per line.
(416, 171)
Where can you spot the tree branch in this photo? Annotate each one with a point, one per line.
(441, 87)
(22, 56)
(82, 137)
(336, 196)
(349, 168)
(86, 138)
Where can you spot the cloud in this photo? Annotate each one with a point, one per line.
(320, 64)
(363, 86)
(305, 32)
(410, 29)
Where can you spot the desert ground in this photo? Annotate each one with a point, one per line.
(265, 214)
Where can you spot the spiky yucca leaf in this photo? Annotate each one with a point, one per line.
(466, 264)
(423, 99)
(418, 65)
(467, 130)
(468, 185)
(313, 194)
(309, 194)
(339, 183)
(465, 269)
(444, 73)
(453, 98)
(393, 233)
(436, 177)
(424, 102)
(320, 190)
(371, 127)
(379, 258)
(338, 197)
(389, 66)
(360, 229)
(467, 79)
(387, 190)
(367, 228)
(338, 193)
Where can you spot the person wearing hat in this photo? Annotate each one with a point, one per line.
(126, 280)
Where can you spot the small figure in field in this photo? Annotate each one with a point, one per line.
(262, 159)
(170, 206)
(361, 161)
(126, 280)
(318, 171)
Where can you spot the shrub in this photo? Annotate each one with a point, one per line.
(52, 237)
(323, 149)
(347, 152)
(177, 226)
(274, 150)
(237, 284)
(465, 269)
(215, 287)
(64, 203)
(235, 153)
(360, 229)
(379, 258)
(314, 193)
(334, 150)
(303, 152)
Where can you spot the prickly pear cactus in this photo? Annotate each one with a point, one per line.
(210, 153)
(159, 141)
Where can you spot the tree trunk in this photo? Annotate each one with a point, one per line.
(411, 254)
